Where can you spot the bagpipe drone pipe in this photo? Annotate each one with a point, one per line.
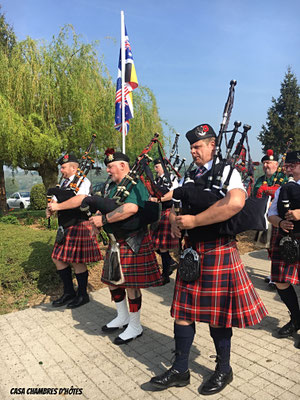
(208, 189)
(146, 215)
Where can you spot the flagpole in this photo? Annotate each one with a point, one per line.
(123, 80)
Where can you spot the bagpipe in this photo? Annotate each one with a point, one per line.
(269, 190)
(171, 166)
(69, 217)
(148, 214)
(85, 165)
(289, 199)
(178, 163)
(246, 167)
(208, 189)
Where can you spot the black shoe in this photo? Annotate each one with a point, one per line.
(289, 329)
(106, 329)
(171, 378)
(79, 300)
(165, 279)
(64, 299)
(120, 341)
(217, 382)
(172, 267)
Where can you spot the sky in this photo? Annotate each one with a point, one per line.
(186, 52)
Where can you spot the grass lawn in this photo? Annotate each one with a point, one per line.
(26, 268)
(27, 274)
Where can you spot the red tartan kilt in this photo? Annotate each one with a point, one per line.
(274, 233)
(223, 295)
(140, 270)
(161, 236)
(279, 271)
(80, 245)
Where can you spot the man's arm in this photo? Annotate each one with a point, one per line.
(221, 211)
(73, 202)
(119, 214)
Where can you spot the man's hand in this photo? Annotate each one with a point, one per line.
(175, 231)
(48, 213)
(285, 225)
(186, 221)
(96, 221)
(292, 215)
(54, 207)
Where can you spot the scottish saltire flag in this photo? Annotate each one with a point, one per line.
(131, 83)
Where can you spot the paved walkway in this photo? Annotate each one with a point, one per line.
(60, 349)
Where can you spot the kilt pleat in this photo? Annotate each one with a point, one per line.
(223, 295)
(80, 245)
(140, 270)
(161, 236)
(279, 271)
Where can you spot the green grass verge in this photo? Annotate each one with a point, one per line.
(26, 268)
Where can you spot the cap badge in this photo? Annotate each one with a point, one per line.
(201, 130)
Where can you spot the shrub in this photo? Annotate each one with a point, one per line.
(38, 199)
(10, 219)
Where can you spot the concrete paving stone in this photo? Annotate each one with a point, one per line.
(75, 352)
(282, 370)
(259, 382)
(248, 389)
(244, 362)
(295, 389)
(245, 374)
(274, 390)
(270, 376)
(235, 394)
(267, 363)
(285, 383)
(289, 396)
(262, 395)
(293, 376)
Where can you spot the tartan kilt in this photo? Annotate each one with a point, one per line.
(80, 245)
(279, 271)
(161, 236)
(224, 294)
(274, 233)
(140, 270)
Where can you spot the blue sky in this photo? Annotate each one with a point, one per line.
(185, 51)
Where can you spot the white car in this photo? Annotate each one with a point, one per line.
(18, 200)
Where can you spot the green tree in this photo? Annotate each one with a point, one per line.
(7, 42)
(11, 186)
(283, 121)
(54, 97)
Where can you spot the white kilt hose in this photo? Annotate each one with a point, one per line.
(224, 294)
(80, 245)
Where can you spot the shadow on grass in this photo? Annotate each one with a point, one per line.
(40, 269)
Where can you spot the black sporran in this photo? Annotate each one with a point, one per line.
(60, 235)
(189, 265)
(289, 250)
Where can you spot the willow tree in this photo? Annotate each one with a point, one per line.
(7, 42)
(58, 95)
